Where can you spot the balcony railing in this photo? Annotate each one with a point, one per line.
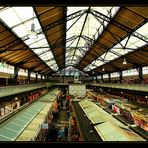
(137, 87)
(11, 90)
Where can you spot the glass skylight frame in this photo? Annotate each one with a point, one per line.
(20, 23)
(145, 70)
(89, 29)
(25, 19)
(133, 44)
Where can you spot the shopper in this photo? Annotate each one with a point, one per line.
(61, 134)
(64, 103)
(68, 114)
(66, 132)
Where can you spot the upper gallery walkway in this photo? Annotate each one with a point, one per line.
(136, 87)
(12, 90)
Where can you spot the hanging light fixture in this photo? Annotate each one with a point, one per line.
(124, 61)
(103, 69)
(33, 34)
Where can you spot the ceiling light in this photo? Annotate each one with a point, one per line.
(33, 34)
(124, 61)
(103, 69)
(16, 98)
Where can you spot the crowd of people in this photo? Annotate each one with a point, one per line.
(57, 131)
(63, 102)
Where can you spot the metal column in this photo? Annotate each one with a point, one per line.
(16, 70)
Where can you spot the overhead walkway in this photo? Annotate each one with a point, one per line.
(12, 90)
(136, 87)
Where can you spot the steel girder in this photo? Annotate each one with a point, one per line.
(75, 68)
(88, 10)
(66, 31)
(125, 28)
(14, 43)
(99, 44)
(33, 56)
(58, 22)
(45, 28)
(45, 35)
(121, 26)
(114, 35)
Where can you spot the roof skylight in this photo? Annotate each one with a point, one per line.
(21, 22)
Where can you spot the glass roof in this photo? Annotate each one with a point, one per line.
(133, 43)
(70, 71)
(88, 26)
(81, 31)
(20, 23)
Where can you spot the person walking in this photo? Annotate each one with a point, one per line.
(66, 132)
(61, 134)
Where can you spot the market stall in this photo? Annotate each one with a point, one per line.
(141, 119)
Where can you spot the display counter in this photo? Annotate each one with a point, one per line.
(141, 118)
